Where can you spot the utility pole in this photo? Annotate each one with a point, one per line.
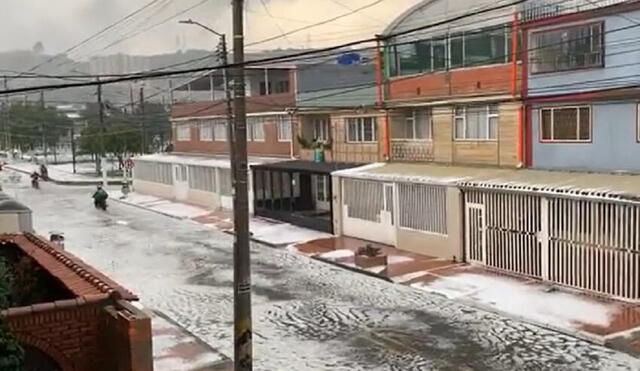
(227, 91)
(5, 117)
(44, 140)
(143, 142)
(101, 162)
(243, 359)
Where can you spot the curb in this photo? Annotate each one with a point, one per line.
(269, 244)
(353, 269)
(87, 182)
(147, 209)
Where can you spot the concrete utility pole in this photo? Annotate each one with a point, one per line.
(243, 359)
(5, 118)
(102, 161)
(143, 121)
(44, 141)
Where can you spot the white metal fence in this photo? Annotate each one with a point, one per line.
(364, 199)
(202, 178)
(422, 207)
(586, 244)
(156, 172)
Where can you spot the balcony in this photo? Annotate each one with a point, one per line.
(411, 150)
(537, 10)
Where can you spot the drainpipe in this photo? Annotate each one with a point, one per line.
(380, 100)
(514, 90)
(526, 132)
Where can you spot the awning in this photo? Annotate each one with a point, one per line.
(306, 166)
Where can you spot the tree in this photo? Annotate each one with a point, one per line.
(11, 351)
(30, 124)
(38, 48)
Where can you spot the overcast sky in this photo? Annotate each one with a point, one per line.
(59, 24)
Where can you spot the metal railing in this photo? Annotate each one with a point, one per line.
(536, 10)
(411, 149)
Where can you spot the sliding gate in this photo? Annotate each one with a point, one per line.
(585, 244)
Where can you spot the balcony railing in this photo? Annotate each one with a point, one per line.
(535, 10)
(411, 150)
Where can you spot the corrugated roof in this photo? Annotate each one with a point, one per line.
(625, 187)
(257, 104)
(307, 166)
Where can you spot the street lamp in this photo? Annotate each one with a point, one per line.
(224, 59)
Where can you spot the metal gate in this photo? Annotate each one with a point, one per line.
(475, 234)
(368, 210)
(587, 244)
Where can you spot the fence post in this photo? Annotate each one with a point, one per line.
(543, 238)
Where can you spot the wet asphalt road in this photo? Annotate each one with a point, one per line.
(307, 315)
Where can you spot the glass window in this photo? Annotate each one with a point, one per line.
(321, 129)
(416, 125)
(565, 124)
(220, 130)
(567, 48)
(206, 131)
(284, 128)
(414, 57)
(439, 55)
(476, 123)
(361, 129)
(183, 132)
(486, 47)
(255, 129)
(456, 45)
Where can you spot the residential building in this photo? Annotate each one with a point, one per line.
(582, 88)
(198, 170)
(452, 91)
(338, 128)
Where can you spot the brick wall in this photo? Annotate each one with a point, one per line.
(456, 83)
(66, 332)
(270, 147)
(83, 334)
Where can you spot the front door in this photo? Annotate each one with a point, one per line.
(321, 192)
(180, 182)
(475, 240)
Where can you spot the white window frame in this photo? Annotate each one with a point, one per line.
(206, 127)
(321, 128)
(463, 117)
(219, 128)
(577, 140)
(256, 128)
(360, 125)
(413, 119)
(284, 125)
(183, 132)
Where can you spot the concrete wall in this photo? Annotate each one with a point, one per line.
(442, 246)
(622, 57)
(9, 223)
(154, 189)
(613, 147)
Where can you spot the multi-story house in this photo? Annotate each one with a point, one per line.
(459, 102)
(581, 87)
(198, 170)
(338, 128)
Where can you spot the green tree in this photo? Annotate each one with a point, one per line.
(30, 124)
(11, 353)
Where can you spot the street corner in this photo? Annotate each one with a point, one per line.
(176, 349)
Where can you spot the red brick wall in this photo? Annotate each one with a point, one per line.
(463, 82)
(68, 335)
(270, 147)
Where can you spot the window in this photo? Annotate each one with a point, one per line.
(255, 129)
(472, 48)
(416, 125)
(220, 130)
(263, 88)
(565, 124)
(322, 188)
(284, 128)
(206, 131)
(183, 132)
(476, 123)
(282, 86)
(202, 178)
(567, 49)
(321, 129)
(361, 129)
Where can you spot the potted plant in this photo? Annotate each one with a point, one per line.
(369, 256)
(317, 146)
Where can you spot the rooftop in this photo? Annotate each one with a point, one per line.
(74, 274)
(218, 108)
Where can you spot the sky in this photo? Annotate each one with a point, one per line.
(61, 24)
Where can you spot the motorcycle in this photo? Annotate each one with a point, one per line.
(35, 183)
(101, 205)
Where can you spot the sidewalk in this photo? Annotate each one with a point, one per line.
(270, 232)
(60, 175)
(585, 316)
(176, 349)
